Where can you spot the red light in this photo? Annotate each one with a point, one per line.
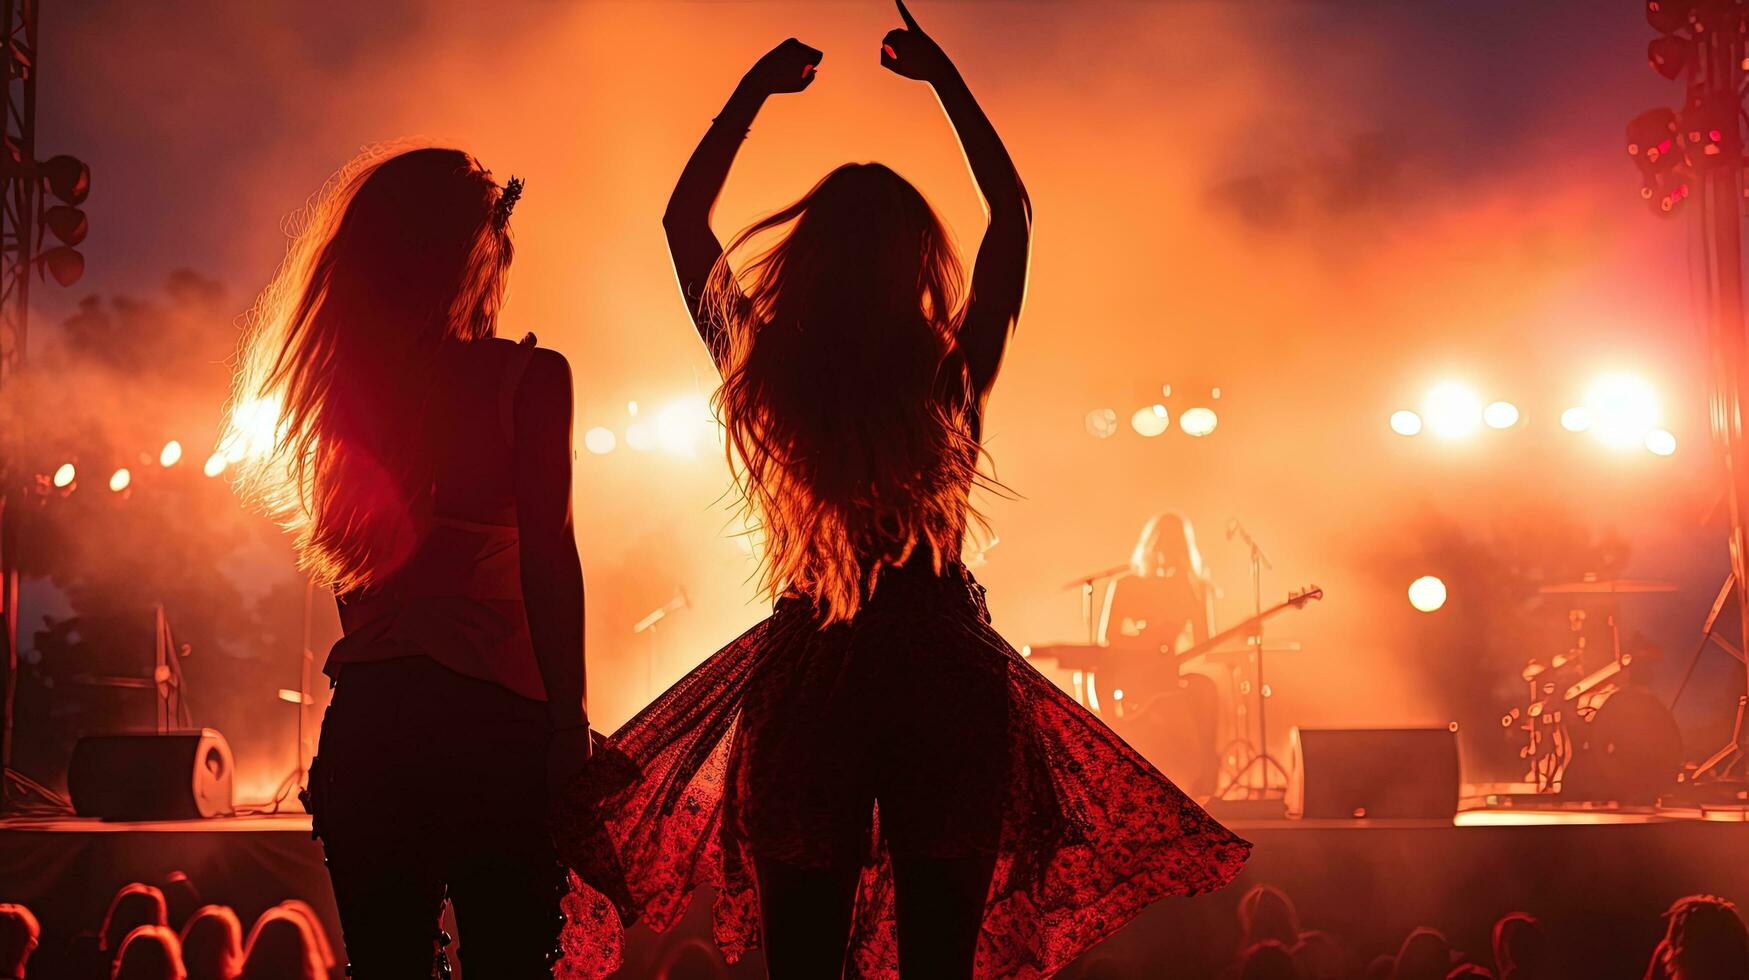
(1716, 136)
(890, 52)
(1664, 147)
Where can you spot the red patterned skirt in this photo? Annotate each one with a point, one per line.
(920, 704)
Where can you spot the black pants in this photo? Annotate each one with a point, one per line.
(430, 783)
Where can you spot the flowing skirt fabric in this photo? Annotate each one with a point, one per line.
(1089, 833)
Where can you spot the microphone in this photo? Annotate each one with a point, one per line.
(1232, 527)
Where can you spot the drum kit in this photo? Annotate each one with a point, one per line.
(1587, 733)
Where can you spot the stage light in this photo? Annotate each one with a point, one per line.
(64, 475)
(1198, 422)
(681, 425)
(1668, 16)
(1405, 423)
(1500, 415)
(69, 179)
(1623, 409)
(1576, 419)
(599, 441)
(640, 436)
(1102, 423)
(1669, 55)
(171, 454)
(215, 464)
(1452, 410)
(1660, 442)
(1652, 142)
(256, 428)
(1150, 421)
(1427, 593)
(119, 480)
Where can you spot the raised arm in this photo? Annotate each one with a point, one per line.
(789, 67)
(552, 574)
(999, 276)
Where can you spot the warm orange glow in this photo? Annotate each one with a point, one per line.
(1500, 415)
(215, 464)
(1452, 410)
(1576, 419)
(120, 479)
(1427, 593)
(1660, 442)
(255, 427)
(64, 475)
(171, 454)
(1623, 410)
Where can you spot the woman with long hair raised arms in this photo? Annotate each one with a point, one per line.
(873, 780)
(425, 469)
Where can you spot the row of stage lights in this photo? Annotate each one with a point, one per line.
(1151, 421)
(1619, 410)
(66, 476)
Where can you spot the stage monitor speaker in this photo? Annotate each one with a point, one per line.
(1375, 773)
(168, 776)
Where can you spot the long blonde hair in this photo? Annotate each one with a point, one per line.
(847, 408)
(399, 255)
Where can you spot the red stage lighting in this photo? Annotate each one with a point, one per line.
(66, 223)
(63, 262)
(69, 179)
(1669, 55)
(1669, 16)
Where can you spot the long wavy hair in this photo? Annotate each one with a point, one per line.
(846, 405)
(398, 256)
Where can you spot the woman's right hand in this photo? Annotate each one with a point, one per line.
(789, 67)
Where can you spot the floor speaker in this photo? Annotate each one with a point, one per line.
(155, 776)
(1377, 773)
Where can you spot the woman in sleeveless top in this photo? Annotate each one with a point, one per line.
(425, 469)
(875, 783)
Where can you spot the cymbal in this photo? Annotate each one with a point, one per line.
(1619, 586)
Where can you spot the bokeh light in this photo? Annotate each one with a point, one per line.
(1452, 410)
(683, 424)
(255, 429)
(171, 453)
(641, 436)
(1576, 419)
(1427, 593)
(1661, 442)
(119, 480)
(1500, 415)
(1150, 421)
(64, 475)
(1102, 423)
(600, 440)
(1405, 423)
(1198, 422)
(215, 464)
(1624, 408)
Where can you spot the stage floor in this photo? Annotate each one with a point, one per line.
(1599, 878)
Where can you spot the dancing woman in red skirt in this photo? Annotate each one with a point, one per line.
(872, 779)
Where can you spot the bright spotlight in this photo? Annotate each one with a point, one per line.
(1150, 421)
(1500, 415)
(256, 427)
(1661, 442)
(599, 441)
(1102, 423)
(120, 479)
(1452, 410)
(1405, 423)
(1623, 408)
(1576, 419)
(682, 425)
(171, 454)
(1427, 593)
(64, 475)
(215, 464)
(641, 436)
(1198, 422)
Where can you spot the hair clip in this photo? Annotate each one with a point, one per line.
(506, 202)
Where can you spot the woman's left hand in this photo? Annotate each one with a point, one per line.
(909, 52)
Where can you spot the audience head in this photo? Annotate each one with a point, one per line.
(212, 944)
(181, 898)
(1321, 956)
(1469, 971)
(283, 947)
(19, 933)
(1706, 940)
(150, 953)
(1268, 960)
(1521, 948)
(1265, 912)
(135, 905)
(325, 949)
(1424, 955)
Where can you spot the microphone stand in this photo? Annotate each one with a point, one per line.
(1262, 759)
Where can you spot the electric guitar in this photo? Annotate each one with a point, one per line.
(1295, 600)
